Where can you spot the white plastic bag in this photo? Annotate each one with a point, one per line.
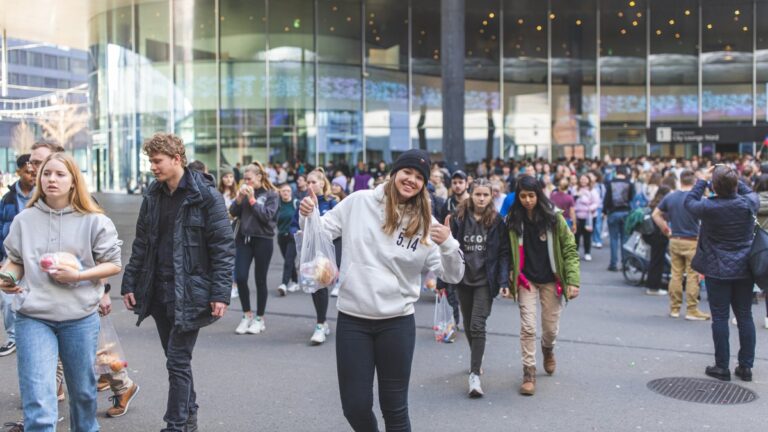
(318, 256)
(444, 326)
(428, 281)
(110, 357)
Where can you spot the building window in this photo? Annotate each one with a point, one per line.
(51, 82)
(36, 59)
(63, 63)
(78, 67)
(49, 61)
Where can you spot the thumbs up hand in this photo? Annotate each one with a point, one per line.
(308, 204)
(440, 233)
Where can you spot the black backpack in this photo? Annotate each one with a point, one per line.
(758, 257)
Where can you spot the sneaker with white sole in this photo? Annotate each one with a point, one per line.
(257, 326)
(656, 292)
(282, 289)
(242, 328)
(475, 390)
(320, 334)
(587, 257)
(697, 315)
(7, 349)
(235, 293)
(293, 287)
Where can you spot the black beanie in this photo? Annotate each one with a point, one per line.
(416, 159)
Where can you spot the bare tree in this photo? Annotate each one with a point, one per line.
(22, 138)
(62, 124)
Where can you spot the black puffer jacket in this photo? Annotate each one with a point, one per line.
(496, 255)
(203, 253)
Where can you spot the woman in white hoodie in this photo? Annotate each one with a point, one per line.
(394, 239)
(57, 299)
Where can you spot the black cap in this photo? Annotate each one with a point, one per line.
(416, 159)
(22, 161)
(460, 174)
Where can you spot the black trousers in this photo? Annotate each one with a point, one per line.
(178, 346)
(582, 233)
(259, 250)
(287, 246)
(476, 305)
(385, 347)
(658, 243)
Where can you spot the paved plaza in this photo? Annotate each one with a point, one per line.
(613, 341)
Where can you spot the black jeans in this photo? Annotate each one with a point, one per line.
(320, 300)
(385, 347)
(178, 347)
(724, 295)
(476, 305)
(582, 233)
(287, 246)
(659, 243)
(259, 250)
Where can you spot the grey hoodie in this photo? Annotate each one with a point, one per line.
(38, 230)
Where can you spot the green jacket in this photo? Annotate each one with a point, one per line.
(563, 256)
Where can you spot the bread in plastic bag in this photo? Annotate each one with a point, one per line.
(317, 268)
(110, 357)
(444, 325)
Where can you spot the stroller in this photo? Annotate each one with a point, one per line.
(637, 257)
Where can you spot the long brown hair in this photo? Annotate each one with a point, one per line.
(467, 207)
(232, 189)
(417, 209)
(79, 197)
(257, 168)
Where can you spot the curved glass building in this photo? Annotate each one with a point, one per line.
(351, 80)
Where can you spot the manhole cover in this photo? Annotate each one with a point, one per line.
(702, 391)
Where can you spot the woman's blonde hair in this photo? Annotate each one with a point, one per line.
(320, 173)
(257, 168)
(418, 210)
(79, 197)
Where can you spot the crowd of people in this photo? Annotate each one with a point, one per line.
(515, 229)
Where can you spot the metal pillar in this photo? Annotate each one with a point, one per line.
(452, 63)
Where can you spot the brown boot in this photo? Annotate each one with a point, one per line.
(549, 360)
(102, 384)
(122, 402)
(529, 381)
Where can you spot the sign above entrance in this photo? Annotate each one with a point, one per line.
(709, 134)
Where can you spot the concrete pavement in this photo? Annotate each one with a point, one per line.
(613, 341)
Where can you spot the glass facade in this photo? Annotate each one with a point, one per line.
(351, 80)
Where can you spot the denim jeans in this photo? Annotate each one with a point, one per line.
(365, 346)
(178, 346)
(39, 345)
(597, 231)
(618, 238)
(9, 316)
(735, 294)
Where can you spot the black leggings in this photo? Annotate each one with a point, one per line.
(658, 243)
(385, 347)
(259, 250)
(288, 249)
(476, 305)
(581, 232)
(320, 300)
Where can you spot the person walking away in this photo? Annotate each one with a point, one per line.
(682, 228)
(544, 268)
(618, 196)
(256, 208)
(319, 185)
(597, 233)
(585, 209)
(658, 241)
(285, 241)
(483, 238)
(396, 239)
(56, 311)
(180, 269)
(12, 204)
(722, 255)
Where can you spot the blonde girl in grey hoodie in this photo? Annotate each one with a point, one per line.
(57, 308)
(392, 239)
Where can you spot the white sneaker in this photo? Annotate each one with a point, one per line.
(587, 257)
(235, 293)
(242, 328)
(282, 290)
(658, 292)
(257, 326)
(335, 291)
(475, 391)
(320, 334)
(293, 287)
(598, 245)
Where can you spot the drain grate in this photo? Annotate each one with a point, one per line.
(702, 391)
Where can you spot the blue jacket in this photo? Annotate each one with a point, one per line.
(9, 208)
(725, 238)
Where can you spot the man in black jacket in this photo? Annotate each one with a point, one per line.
(180, 270)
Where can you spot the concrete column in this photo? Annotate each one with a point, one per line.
(452, 65)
